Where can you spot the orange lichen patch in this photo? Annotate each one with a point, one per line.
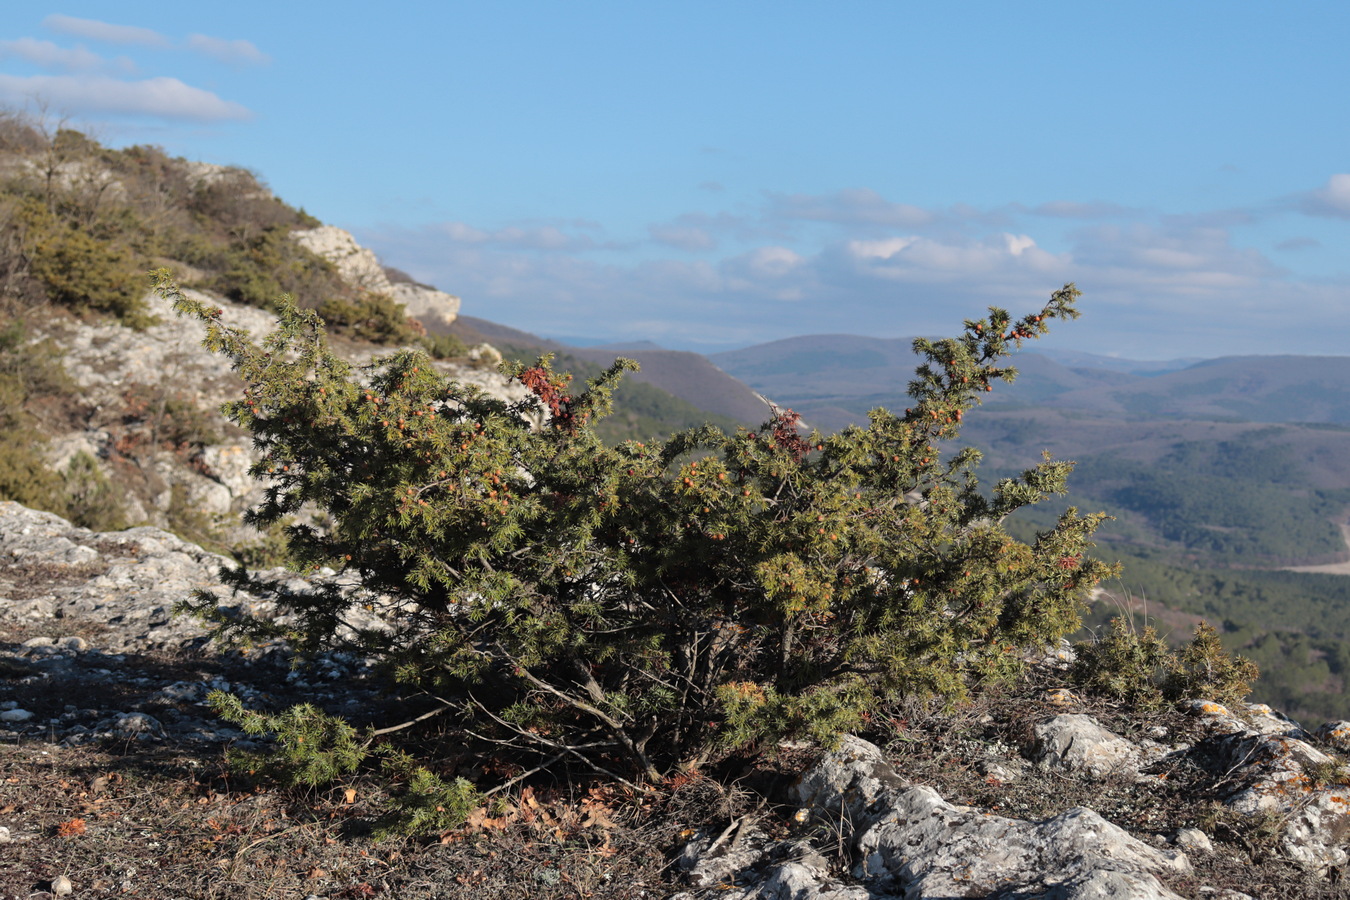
(1061, 697)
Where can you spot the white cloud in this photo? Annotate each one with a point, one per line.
(882, 249)
(47, 55)
(1017, 243)
(1068, 209)
(771, 272)
(1173, 251)
(166, 98)
(233, 53)
(916, 258)
(94, 30)
(1331, 199)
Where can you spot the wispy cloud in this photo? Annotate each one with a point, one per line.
(1097, 209)
(232, 53)
(1298, 243)
(105, 32)
(165, 98)
(46, 55)
(697, 231)
(861, 206)
(236, 52)
(683, 237)
(548, 237)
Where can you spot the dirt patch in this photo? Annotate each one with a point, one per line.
(1340, 568)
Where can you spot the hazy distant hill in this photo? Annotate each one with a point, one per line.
(834, 380)
(688, 376)
(1251, 388)
(691, 377)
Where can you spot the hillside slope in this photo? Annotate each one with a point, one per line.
(108, 404)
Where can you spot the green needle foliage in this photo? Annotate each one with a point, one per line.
(636, 606)
(1137, 667)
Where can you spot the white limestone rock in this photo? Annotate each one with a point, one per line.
(357, 265)
(1335, 734)
(427, 304)
(360, 268)
(911, 837)
(1265, 754)
(1077, 743)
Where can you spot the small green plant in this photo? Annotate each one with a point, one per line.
(25, 476)
(1124, 664)
(84, 272)
(443, 346)
(191, 522)
(312, 748)
(1323, 774)
(29, 372)
(159, 416)
(631, 607)
(91, 500)
(261, 267)
(268, 552)
(1203, 669)
(1137, 667)
(428, 803)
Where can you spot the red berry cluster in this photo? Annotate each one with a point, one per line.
(786, 435)
(551, 390)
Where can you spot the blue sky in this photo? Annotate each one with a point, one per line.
(710, 175)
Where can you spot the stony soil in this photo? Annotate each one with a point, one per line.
(113, 770)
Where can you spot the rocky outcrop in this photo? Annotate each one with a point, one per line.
(119, 370)
(1280, 777)
(1078, 743)
(906, 841)
(95, 611)
(359, 267)
(908, 837)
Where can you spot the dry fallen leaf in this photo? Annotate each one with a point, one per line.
(71, 828)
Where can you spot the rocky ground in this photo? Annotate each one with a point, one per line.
(113, 782)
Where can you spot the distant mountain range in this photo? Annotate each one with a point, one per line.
(835, 380)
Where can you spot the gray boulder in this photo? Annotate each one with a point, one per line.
(910, 838)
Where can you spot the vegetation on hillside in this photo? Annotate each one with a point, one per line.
(1244, 504)
(80, 225)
